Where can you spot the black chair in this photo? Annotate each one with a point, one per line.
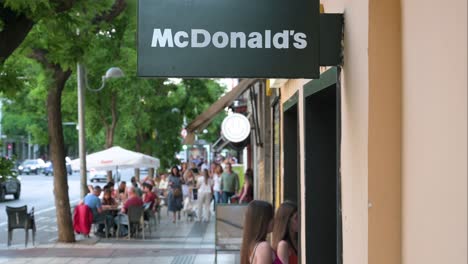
(19, 218)
(101, 221)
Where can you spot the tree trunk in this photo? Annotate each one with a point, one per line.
(54, 113)
(109, 143)
(136, 172)
(56, 145)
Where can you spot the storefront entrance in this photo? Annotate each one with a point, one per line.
(291, 150)
(322, 199)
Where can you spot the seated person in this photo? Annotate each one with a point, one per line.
(107, 199)
(94, 203)
(107, 203)
(122, 191)
(150, 197)
(110, 186)
(138, 191)
(133, 200)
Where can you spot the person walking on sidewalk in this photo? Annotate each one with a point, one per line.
(229, 183)
(205, 192)
(218, 171)
(175, 193)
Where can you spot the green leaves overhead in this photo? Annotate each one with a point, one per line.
(149, 112)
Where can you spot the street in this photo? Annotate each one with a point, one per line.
(37, 192)
(163, 246)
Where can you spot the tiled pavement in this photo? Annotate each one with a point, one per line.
(184, 242)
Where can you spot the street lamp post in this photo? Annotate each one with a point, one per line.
(113, 72)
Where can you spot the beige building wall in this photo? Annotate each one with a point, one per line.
(354, 150)
(434, 182)
(384, 188)
(354, 145)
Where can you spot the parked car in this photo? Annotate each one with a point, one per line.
(11, 185)
(9, 182)
(34, 166)
(49, 168)
(101, 176)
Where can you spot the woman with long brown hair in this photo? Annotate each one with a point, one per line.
(175, 193)
(258, 222)
(284, 236)
(246, 194)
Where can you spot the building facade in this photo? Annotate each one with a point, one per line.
(375, 152)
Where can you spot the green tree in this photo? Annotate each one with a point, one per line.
(145, 115)
(56, 46)
(17, 18)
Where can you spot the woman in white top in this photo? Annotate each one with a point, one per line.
(204, 185)
(217, 183)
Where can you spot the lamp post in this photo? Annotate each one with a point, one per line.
(113, 72)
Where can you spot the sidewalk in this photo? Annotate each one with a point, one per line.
(184, 242)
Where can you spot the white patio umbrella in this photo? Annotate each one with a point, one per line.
(117, 157)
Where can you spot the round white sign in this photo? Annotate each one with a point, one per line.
(235, 127)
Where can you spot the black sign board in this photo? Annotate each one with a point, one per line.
(228, 38)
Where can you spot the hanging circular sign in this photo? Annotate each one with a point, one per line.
(235, 127)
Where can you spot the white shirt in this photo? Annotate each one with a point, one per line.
(202, 186)
(217, 182)
(163, 184)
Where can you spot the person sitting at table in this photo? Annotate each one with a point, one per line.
(133, 200)
(109, 205)
(110, 186)
(107, 199)
(136, 185)
(149, 196)
(94, 203)
(122, 191)
(150, 199)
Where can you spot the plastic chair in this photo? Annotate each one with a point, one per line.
(134, 216)
(152, 221)
(19, 218)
